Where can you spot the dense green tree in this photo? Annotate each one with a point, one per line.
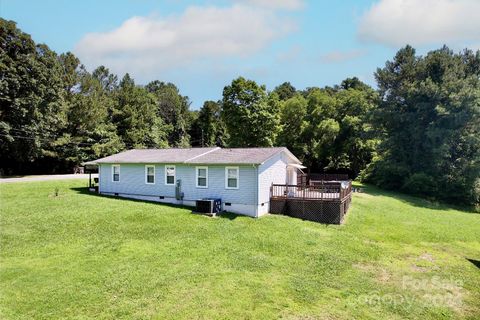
(136, 118)
(32, 105)
(429, 115)
(70, 72)
(337, 132)
(55, 115)
(251, 116)
(108, 80)
(172, 107)
(208, 128)
(353, 83)
(322, 128)
(293, 114)
(356, 142)
(89, 133)
(194, 131)
(285, 91)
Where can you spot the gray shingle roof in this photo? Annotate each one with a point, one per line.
(237, 156)
(196, 156)
(172, 155)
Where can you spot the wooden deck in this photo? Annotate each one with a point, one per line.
(321, 201)
(318, 190)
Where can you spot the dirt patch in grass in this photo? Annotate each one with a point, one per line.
(381, 275)
(425, 263)
(427, 256)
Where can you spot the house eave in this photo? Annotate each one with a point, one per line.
(172, 162)
(288, 153)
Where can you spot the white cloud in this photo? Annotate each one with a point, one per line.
(148, 45)
(341, 56)
(276, 4)
(422, 22)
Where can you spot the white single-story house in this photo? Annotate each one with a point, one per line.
(241, 177)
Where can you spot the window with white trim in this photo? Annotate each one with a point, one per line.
(170, 175)
(231, 177)
(202, 177)
(150, 174)
(115, 172)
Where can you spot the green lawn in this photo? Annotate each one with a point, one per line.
(80, 256)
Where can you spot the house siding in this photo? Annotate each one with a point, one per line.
(132, 184)
(252, 198)
(274, 170)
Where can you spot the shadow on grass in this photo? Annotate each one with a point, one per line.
(412, 200)
(85, 190)
(228, 215)
(14, 176)
(476, 263)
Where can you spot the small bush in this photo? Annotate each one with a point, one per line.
(420, 184)
(366, 174)
(386, 175)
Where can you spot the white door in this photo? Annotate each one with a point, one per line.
(291, 176)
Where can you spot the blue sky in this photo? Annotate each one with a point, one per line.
(202, 45)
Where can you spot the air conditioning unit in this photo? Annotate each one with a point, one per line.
(209, 205)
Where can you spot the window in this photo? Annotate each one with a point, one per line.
(150, 174)
(202, 177)
(231, 178)
(115, 172)
(169, 175)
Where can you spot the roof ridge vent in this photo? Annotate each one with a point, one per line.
(200, 155)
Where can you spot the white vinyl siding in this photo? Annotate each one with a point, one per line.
(201, 177)
(170, 173)
(133, 184)
(115, 172)
(273, 171)
(231, 178)
(150, 174)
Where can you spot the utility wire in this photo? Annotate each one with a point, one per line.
(129, 146)
(44, 139)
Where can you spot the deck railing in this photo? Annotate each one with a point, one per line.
(327, 177)
(319, 190)
(304, 179)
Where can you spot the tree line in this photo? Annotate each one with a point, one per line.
(419, 132)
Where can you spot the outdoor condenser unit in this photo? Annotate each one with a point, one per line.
(209, 205)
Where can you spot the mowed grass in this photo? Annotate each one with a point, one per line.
(78, 255)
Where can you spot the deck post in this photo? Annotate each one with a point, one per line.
(321, 193)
